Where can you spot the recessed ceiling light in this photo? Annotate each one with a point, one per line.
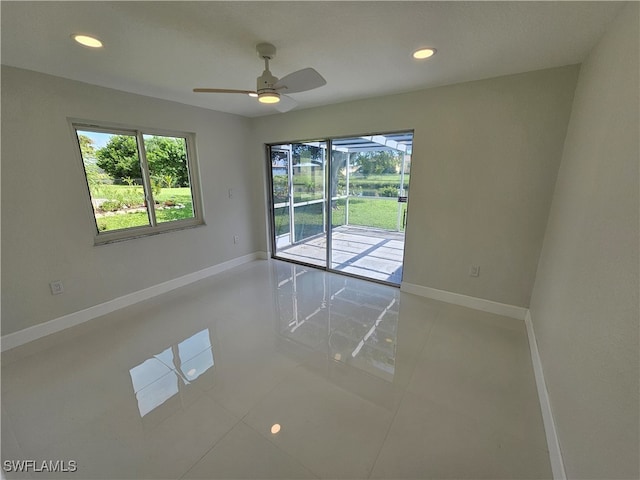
(423, 53)
(87, 40)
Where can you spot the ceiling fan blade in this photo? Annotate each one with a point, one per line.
(300, 81)
(285, 104)
(222, 90)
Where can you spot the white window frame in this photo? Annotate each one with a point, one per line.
(104, 237)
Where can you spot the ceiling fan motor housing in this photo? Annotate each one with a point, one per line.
(265, 82)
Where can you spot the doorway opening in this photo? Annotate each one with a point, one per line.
(345, 211)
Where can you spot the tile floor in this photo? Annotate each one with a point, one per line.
(363, 381)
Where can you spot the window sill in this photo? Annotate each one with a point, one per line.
(115, 236)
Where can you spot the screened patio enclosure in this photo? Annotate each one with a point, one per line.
(346, 211)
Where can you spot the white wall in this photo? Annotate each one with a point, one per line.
(47, 229)
(585, 301)
(484, 164)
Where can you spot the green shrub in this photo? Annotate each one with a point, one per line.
(131, 197)
(388, 191)
(111, 205)
(156, 186)
(280, 188)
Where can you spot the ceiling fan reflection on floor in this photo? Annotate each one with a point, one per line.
(270, 89)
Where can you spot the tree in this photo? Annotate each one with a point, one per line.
(119, 157)
(87, 149)
(304, 153)
(167, 158)
(376, 163)
(95, 176)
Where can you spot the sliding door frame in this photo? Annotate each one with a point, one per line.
(329, 193)
(328, 211)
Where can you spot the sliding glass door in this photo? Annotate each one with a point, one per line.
(298, 172)
(346, 211)
(369, 190)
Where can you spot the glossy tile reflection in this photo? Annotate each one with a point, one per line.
(335, 315)
(159, 378)
(274, 370)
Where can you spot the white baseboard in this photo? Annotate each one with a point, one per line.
(519, 313)
(35, 332)
(555, 454)
(466, 301)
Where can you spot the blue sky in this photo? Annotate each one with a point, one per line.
(99, 139)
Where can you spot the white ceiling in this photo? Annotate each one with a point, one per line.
(362, 48)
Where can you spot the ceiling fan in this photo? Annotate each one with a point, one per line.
(270, 89)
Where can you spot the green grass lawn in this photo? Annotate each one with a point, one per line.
(362, 212)
(308, 219)
(387, 178)
(368, 213)
(128, 220)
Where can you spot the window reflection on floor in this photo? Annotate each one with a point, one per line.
(354, 327)
(162, 376)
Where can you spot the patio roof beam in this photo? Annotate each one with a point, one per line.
(371, 143)
(386, 142)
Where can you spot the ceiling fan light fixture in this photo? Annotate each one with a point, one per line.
(268, 87)
(86, 40)
(423, 53)
(269, 97)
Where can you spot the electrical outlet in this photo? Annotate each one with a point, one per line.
(236, 239)
(56, 287)
(230, 193)
(474, 271)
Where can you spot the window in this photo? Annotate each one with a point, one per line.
(139, 182)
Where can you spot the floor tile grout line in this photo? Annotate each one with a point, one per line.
(302, 365)
(428, 323)
(386, 435)
(237, 418)
(469, 417)
(402, 397)
(209, 450)
(12, 431)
